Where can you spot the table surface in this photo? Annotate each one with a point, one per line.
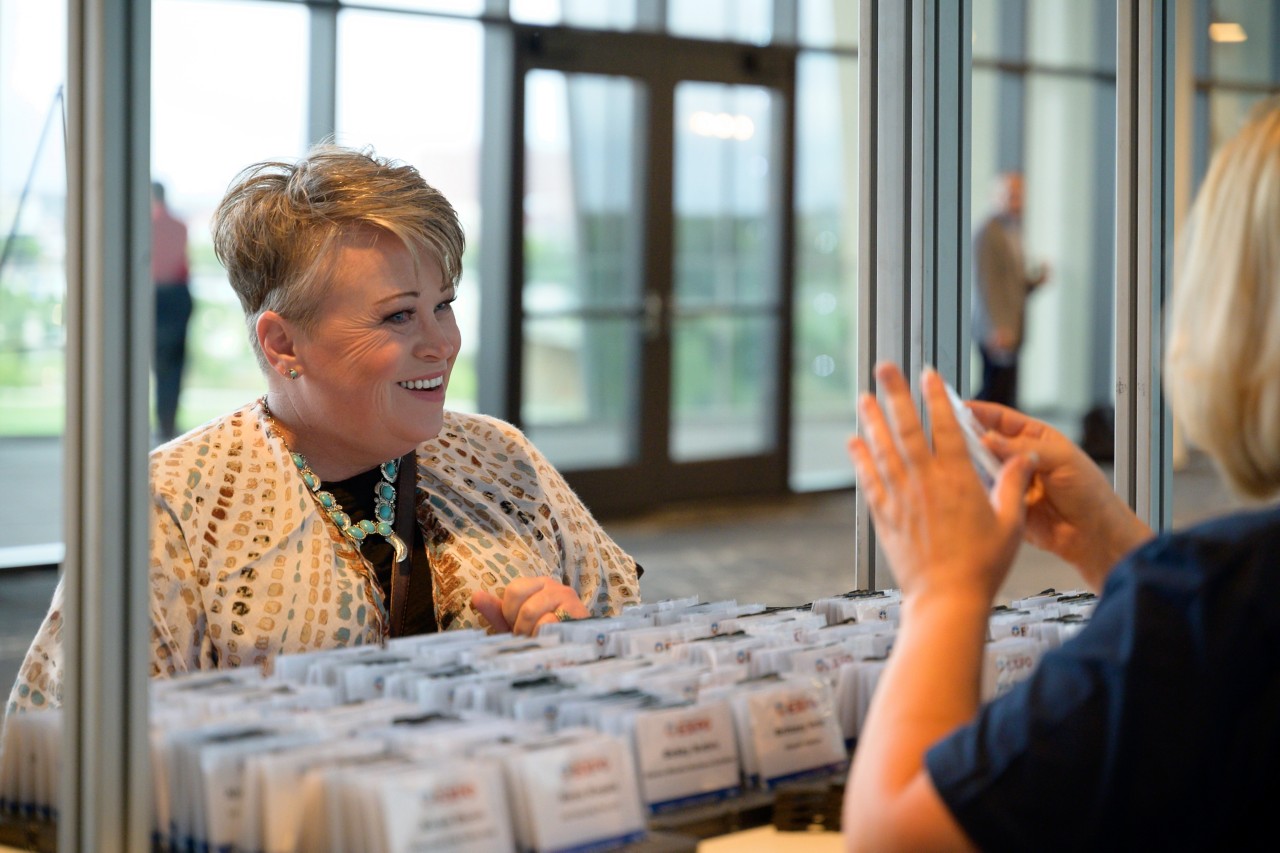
(767, 839)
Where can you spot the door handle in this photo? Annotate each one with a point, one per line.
(653, 315)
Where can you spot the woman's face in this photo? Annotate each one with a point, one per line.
(376, 364)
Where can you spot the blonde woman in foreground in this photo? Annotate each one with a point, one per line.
(1156, 727)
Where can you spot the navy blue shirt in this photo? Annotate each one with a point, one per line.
(1157, 727)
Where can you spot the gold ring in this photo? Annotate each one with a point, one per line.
(563, 615)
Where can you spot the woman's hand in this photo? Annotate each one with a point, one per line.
(1072, 510)
(941, 531)
(950, 544)
(527, 604)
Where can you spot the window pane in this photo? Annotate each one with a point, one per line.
(589, 14)
(450, 7)
(828, 23)
(985, 124)
(722, 20)
(721, 393)
(721, 195)
(1227, 114)
(579, 201)
(1066, 347)
(986, 29)
(1064, 32)
(202, 105)
(581, 292)
(579, 386)
(422, 107)
(824, 361)
(1251, 60)
(33, 284)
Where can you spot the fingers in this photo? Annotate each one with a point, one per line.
(903, 415)
(998, 418)
(489, 606)
(526, 604)
(879, 451)
(1008, 498)
(948, 438)
(515, 595)
(543, 605)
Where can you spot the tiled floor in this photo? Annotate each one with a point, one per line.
(778, 552)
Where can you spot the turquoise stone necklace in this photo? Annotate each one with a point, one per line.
(384, 493)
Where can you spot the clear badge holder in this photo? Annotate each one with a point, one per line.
(983, 459)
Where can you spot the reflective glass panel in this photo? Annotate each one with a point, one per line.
(579, 389)
(448, 7)
(722, 195)
(1243, 41)
(579, 201)
(824, 360)
(581, 265)
(725, 286)
(985, 124)
(722, 396)
(986, 29)
(589, 14)
(33, 363)
(1064, 32)
(1227, 113)
(721, 20)
(430, 118)
(828, 23)
(33, 287)
(210, 118)
(1067, 355)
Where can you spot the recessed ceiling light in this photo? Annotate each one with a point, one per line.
(1226, 32)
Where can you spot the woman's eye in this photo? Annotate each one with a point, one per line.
(401, 316)
(447, 305)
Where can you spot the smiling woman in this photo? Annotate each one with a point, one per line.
(347, 504)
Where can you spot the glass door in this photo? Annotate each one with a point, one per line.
(582, 302)
(724, 304)
(654, 314)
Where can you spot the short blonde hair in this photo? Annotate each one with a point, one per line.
(275, 229)
(1222, 363)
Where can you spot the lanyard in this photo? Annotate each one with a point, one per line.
(406, 524)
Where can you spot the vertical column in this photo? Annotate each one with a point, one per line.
(322, 76)
(1144, 237)
(913, 269)
(106, 792)
(502, 199)
(1102, 360)
(1012, 86)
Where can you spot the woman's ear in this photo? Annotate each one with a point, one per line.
(278, 337)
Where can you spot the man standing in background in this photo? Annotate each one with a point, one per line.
(1001, 285)
(171, 276)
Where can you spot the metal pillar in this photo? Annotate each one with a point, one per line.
(913, 271)
(104, 775)
(1144, 239)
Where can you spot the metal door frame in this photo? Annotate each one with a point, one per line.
(659, 62)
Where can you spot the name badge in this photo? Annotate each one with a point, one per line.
(687, 755)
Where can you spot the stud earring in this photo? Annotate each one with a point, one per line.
(293, 374)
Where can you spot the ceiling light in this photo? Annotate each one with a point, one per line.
(1226, 32)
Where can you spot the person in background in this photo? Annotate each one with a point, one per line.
(347, 504)
(1001, 285)
(1154, 728)
(171, 276)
